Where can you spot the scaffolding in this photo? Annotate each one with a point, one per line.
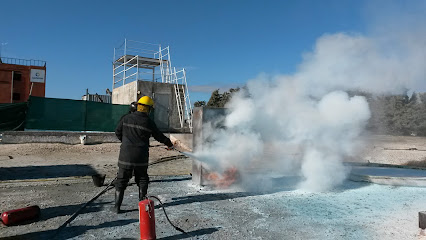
(138, 61)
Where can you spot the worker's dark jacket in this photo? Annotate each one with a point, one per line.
(134, 131)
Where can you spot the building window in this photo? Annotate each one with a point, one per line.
(16, 96)
(17, 76)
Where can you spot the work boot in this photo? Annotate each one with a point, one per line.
(142, 192)
(119, 194)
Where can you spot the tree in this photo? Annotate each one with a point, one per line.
(200, 103)
(215, 99)
(398, 114)
(220, 100)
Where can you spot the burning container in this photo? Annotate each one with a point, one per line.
(206, 120)
(201, 175)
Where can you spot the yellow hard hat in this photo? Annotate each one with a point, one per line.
(145, 100)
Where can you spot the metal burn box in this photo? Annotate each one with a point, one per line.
(204, 118)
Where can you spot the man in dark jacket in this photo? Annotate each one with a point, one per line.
(134, 131)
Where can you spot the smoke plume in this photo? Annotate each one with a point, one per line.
(306, 124)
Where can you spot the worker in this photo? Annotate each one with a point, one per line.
(134, 131)
(133, 107)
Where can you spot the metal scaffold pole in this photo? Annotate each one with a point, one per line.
(137, 61)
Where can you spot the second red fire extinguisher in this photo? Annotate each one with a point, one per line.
(17, 216)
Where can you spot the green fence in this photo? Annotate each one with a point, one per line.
(12, 116)
(73, 115)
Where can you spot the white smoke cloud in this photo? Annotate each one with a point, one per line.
(374, 64)
(306, 124)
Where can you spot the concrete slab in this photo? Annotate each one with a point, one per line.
(58, 137)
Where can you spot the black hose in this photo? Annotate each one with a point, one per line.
(167, 217)
(164, 159)
(82, 207)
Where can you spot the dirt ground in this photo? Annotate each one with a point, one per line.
(44, 161)
(396, 150)
(56, 177)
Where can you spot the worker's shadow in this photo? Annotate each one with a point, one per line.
(58, 211)
(45, 172)
(173, 179)
(199, 232)
(206, 198)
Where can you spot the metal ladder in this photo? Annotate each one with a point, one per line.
(178, 79)
(182, 98)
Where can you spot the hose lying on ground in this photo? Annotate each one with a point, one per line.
(167, 217)
(82, 207)
(164, 159)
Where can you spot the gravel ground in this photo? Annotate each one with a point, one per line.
(354, 211)
(55, 177)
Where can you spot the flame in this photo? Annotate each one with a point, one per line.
(229, 177)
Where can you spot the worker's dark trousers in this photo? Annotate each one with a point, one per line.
(124, 175)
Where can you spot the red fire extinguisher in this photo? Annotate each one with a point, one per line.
(147, 220)
(16, 216)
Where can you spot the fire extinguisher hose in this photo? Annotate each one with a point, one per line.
(167, 217)
(164, 159)
(82, 207)
(161, 160)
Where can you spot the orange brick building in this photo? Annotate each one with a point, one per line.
(20, 78)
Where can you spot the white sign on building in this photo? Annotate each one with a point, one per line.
(37, 75)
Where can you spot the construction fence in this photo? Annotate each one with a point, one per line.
(12, 116)
(63, 115)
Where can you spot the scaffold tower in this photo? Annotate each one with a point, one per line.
(140, 61)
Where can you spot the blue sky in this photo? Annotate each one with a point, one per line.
(221, 43)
